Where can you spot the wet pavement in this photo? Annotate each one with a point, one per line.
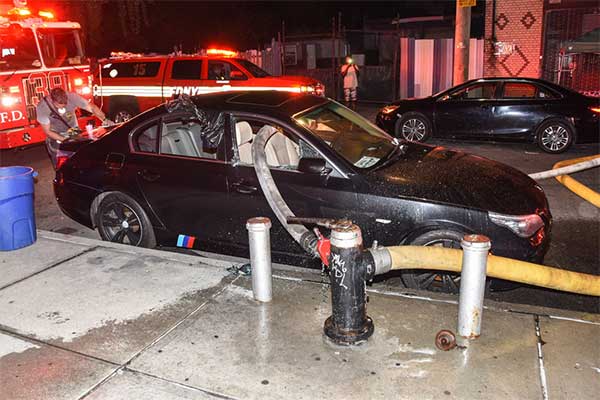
(84, 319)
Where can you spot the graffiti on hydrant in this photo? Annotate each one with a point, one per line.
(338, 267)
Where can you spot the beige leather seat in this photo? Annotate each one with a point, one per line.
(179, 142)
(281, 151)
(244, 137)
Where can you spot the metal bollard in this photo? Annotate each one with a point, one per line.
(472, 285)
(260, 257)
(348, 323)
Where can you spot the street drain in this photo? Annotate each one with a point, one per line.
(65, 230)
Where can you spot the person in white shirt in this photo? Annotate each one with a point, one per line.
(350, 72)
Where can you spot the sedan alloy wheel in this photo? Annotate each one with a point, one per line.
(555, 138)
(414, 129)
(121, 224)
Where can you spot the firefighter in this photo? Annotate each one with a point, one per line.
(350, 72)
(56, 115)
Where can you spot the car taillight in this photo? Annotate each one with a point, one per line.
(595, 110)
(61, 159)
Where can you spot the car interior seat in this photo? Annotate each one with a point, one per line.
(180, 142)
(147, 140)
(281, 151)
(244, 137)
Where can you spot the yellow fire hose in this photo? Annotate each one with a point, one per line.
(575, 186)
(439, 258)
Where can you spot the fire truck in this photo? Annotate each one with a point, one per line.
(38, 54)
(127, 83)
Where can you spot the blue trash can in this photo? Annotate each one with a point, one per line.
(17, 218)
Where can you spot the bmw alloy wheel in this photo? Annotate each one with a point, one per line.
(435, 281)
(413, 129)
(121, 224)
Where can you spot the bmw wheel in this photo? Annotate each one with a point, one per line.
(120, 219)
(554, 137)
(435, 281)
(413, 127)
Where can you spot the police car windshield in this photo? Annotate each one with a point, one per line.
(18, 49)
(349, 134)
(60, 47)
(255, 70)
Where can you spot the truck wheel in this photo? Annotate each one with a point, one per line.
(122, 113)
(121, 219)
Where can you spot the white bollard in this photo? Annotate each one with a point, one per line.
(260, 257)
(472, 285)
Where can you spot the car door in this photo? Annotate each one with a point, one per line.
(467, 111)
(328, 194)
(521, 107)
(183, 179)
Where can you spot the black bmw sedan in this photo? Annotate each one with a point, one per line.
(182, 174)
(534, 110)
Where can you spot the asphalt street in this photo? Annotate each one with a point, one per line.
(575, 238)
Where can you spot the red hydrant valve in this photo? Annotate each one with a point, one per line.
(323, 247)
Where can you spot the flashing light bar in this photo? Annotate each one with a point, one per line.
(46, 14)
(221, 52)
(20, 12)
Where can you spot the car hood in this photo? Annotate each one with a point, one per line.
(414, 100)
(445, 176)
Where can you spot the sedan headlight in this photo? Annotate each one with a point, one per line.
(523, 225)
(389, 109)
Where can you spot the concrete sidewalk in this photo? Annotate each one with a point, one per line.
(81, 318)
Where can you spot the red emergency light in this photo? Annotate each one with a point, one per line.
(221, 52)
(19, 12)
(46, 14)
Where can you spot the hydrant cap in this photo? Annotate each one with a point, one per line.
(347, 237)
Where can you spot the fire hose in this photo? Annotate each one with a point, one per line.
(444, 259)
(561, 169)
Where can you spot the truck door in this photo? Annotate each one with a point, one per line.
(183, 77)
(223, 75)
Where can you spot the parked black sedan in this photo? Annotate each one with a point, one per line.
(541, 112)
(182, 175)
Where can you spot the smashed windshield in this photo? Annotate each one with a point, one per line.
(18, 49)
(349, 134)
(61, 47)
(254, 69)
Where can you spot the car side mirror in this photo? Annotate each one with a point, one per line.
(313, 166)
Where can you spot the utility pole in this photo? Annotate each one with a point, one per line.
(462, 36)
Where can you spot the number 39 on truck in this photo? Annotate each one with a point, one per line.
(38, 54)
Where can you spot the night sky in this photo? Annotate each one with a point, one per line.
(153, 25)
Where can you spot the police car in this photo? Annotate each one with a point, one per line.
(127, 84)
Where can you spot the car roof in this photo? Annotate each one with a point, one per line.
(264, 101)
(561, 89)
(514, 79)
